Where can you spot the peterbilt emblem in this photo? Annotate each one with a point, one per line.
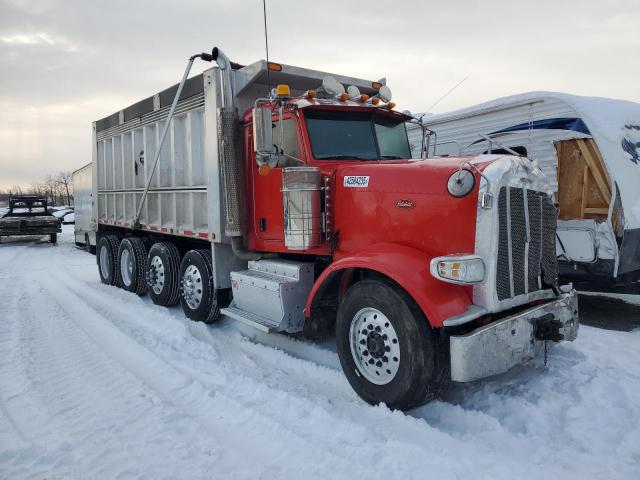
(405, 204)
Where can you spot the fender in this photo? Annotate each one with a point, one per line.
(409, 268)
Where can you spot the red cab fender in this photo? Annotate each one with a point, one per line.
(409, 268)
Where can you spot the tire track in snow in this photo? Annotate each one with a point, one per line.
(242, 430)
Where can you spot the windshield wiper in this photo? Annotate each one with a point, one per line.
(342, 157)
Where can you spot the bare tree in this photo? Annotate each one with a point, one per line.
(65, 184)
(37, 188)
(15, 190)
(51, 188)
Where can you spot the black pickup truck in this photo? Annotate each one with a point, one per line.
(28, 215)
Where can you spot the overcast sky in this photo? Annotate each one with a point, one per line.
(66, 63)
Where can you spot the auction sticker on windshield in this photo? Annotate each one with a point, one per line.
(356, 181)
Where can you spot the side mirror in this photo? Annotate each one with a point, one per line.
(262, 134)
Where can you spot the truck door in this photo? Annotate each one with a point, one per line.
(267, 208)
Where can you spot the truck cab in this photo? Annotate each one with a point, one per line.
(304, 212)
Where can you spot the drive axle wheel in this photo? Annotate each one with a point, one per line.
(132, 261)
(163, 274)
(386, 347)
(198, 294)
(107, 258)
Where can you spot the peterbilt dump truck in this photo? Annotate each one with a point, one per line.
(29, 215)
(285, 201)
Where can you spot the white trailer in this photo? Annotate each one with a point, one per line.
(589, 150)
(85, 226)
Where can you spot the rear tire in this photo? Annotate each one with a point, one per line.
(107, 258)
(387, 349)
(163, 274)
(132, 265)
(198, 295)
(53, 238)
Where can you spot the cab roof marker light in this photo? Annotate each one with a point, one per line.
(275, 67)
(343, 97)
(363, 98)
(331, 86)
(385, 94)
(353, 91)
(374, 101)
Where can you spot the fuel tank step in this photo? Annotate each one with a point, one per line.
(272, 293)
(256, 321)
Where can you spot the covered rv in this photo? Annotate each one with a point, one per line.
(589, 149)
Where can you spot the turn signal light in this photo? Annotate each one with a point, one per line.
(276, 67)
(283, 91)
(264, 170)
(460, 269)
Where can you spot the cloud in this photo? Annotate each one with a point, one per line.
(41, 38)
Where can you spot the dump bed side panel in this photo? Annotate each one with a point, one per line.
(124, 155)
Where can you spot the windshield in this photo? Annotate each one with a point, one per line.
(356, 136)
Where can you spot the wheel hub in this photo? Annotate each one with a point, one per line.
(105, 262)
(192, 287)
(374, 346)
(126, 267)
(156, 275)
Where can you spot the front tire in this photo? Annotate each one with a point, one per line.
(163, 274)
(107, 258)
(53, 238)
(132, 265)
(198, 297)
(387, 349)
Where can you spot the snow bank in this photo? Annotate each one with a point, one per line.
(97, 382)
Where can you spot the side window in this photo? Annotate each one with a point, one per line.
(286, 141)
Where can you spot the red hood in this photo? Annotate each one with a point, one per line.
(406, 202)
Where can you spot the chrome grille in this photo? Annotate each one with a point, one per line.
(526, 242)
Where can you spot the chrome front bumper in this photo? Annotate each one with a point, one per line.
(511, 341)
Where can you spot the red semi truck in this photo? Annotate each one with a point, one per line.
(300, 209)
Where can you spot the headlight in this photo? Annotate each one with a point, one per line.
(460, 269)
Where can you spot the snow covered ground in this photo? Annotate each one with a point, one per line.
(98, 383)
